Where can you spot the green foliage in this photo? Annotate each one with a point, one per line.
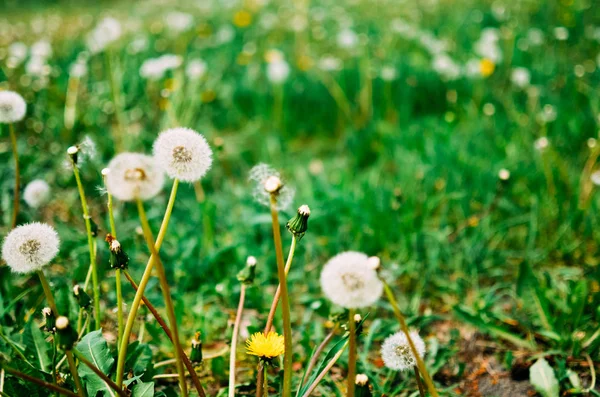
(543, 379)
(94, 348)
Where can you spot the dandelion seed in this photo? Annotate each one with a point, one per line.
(264, 346)
(396, 351)
(37, 193)
(12, 107)
(183, 153)
(133, 176)
(349, 280)
(268, 180)
(30, 247)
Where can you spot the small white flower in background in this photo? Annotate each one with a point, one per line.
(330, 63)
(36, 193)
(179, 21)
(504, 174)
(541, 143)
(138, 45)
(37, 67)
(183, 153)
(349, 280)
(595, 178)
(298, 23)
(155, 68)
(388, 73)
(17, 52)
(195, 69)
(266, 177)
(347, 39)
(225, 34)
(396, 351)
(520, 77)
(41, 49)
(403, 28)
(107, 31)
(473, 68)
(592, 142)
(488, 45)
(535, 37)
(79, 68)
(30, 247)
(133, 176)
(446, 67)
(432, 44)
(278, 71)
(561, 33)
(12, 107)
(547, 115)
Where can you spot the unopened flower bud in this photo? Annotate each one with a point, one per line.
(118, 257)
(73, 151)
(504, 175)
(196, 354)
(298, 225)
(248, 273)
(50, 320)
(66, 335)
(362, 389)
(83, 299)
(374, 262)
(273, 184)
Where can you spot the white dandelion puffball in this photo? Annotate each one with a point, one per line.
(520, 77)
(396, 352)
(133, 176)
(30, 247)
(195, 69)
(595, 178)
(278, 71)
(12, 107)
(37, 193)
(268, 180)
(348, 280)
(183, 153)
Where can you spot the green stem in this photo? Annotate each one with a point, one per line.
(73, 369)
(90, 238)
(142, 286)
(265, 383)
(285, 303)
(40, 382)
(113, 232)
(404, 328)
(162, 277)
(322, 374)
(13, 141)
(351, 353)
(98, 372)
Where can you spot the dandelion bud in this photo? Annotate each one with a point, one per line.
(196, 354)
(273, 184)
(50, 325)
(396, 351)
(248, 273)
(83, 299)
(118, 257)
(12, 107)
(363, 388)
(93, 226)
(298, 225)
(268, 182)
(30, 247)
(73, 152)
(357, 318)
(66, 335)
(374, 262)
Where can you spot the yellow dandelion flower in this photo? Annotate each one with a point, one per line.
(486, 67)
(242, 19)
(265, 346)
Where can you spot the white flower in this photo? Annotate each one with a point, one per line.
(41, 49)
(347, 39)
(12, 107)
(107, 31)
(330, 63)
(388, 73)
(30, 247)
(37, 193)
(183, 153)
(79, 68)
(561, 33)
(541, 143)
(595, 178)
(268, 180)
(37, 67)
(179, 21)
(446, 67)
(278, 71)
(520, 77)
(17, 52)
(155, 68)
(488, 45)
(348, 280)
(195, 69)
(396, 351)
(134, 175)
(535, 37)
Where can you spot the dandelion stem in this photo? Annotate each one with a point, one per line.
(278, 292)
(164, 326)
(142, 286)
(101, 374)
(285, 304)
(166, 296)
(69, 354)
(319, 350)
(351, 353)
(40, 382)
(13, 142)
(321, 375)
(419, 383)
(236, 329)
(404, 328)
(265, 382)
(90, 238)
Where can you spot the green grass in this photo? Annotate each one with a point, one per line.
(410, 175)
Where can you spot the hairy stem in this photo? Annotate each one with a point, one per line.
(142, 286)
(234, 337)
(13, 142)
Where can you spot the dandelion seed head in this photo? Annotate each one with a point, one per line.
(30, 247)
(12, 107)
(268, 180)
(396, 351)
(349, 281)
(183, 153)
(134, 175)
(251, 261)
(195, 69)
(520, 77)
(541, 143)
(37, 193)
(278, 71)
(61, 323)
(46, 311)
(155, 68)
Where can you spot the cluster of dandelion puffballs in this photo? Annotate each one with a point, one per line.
(181, 153)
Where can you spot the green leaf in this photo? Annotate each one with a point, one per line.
(139, 358)
(93, 346)
(145, 389)
(543, 379)
(37, 349)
